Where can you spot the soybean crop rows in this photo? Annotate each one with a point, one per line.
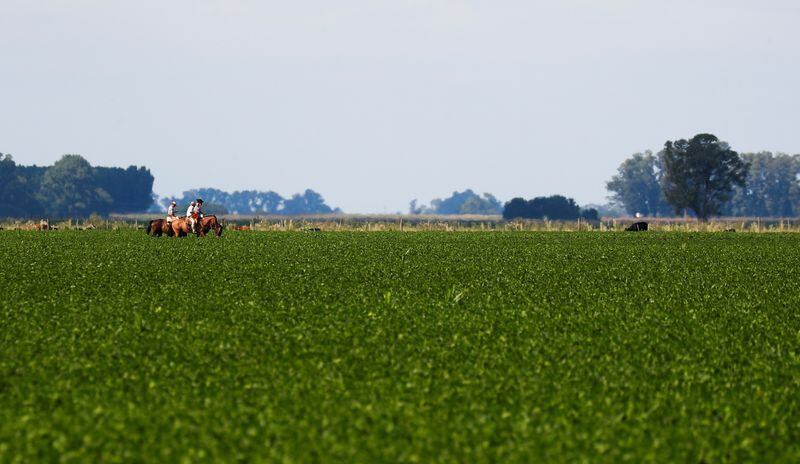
(410, 347)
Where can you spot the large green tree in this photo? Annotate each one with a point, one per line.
(69, 189)
(637, 186)
(309, 202)
(700, 174)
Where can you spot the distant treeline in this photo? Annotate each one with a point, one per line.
(703, 176)
(253, 202)
(466, 202)
(71, 187)
(555, 207)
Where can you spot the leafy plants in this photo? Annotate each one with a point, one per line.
(388, 346)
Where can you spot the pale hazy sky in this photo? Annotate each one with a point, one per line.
(374, 103)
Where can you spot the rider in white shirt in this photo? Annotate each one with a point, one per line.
(171, 212)
(189, 215)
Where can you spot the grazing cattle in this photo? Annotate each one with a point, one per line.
(637, 227)
(730, 230)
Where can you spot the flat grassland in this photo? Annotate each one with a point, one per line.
(390, 346)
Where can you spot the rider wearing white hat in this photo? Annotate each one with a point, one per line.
(171, 212)
(190, 214)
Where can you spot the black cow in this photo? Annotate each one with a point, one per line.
(637, 227)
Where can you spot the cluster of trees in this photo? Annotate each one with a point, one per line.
(555, 207)
(637, 186)
(71, 187)
(703, 176)
(254, 202)
(466, 202)
(771, 187)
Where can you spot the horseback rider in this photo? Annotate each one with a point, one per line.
(195, 214)
(190, 214)
(171, 212)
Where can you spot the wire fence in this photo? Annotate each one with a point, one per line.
(415, 223)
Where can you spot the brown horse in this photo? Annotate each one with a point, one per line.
(210, 222)
(159, 227)
(182, 228)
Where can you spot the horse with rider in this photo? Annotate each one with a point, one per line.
(195, 222)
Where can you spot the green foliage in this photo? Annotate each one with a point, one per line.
(555, 207)
(591, 214)
(255, 202)
(700, 174)
(393, 347)
(310, 202)
(71, 188)
(772, 187)
(466, 202)
(214, 208)
(17, 193)
(637, 187)
(130, 189)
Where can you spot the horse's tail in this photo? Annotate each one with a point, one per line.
(149, 226)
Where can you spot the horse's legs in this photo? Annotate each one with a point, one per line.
(198, 228)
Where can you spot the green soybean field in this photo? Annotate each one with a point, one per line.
(400, 347)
